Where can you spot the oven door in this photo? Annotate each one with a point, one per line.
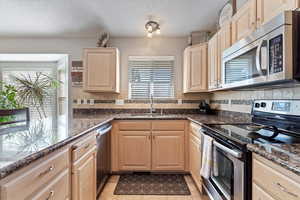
(246, 66)
(228, 172)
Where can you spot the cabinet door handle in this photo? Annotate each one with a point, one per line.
(149, 137)
(153, 137)
(283, 189)
(86, 146)
(51, 194)
(51, 168)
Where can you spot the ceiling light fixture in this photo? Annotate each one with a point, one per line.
(152, 27)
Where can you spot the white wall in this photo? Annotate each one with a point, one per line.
(71, 46)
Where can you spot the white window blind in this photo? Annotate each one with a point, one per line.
(151, 75)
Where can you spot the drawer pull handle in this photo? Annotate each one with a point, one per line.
(283, 189)
(51, 168)
(51, 194)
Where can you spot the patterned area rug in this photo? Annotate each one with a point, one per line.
(152, 184)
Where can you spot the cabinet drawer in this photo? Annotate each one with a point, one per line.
(166, 125)
(58, 189)
(275, 180)
(30, 181)
(259, 194)
(135, 125)
(82, 147)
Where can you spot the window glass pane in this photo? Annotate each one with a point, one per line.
(50, 100)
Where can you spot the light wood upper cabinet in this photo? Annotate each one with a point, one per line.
(214, 68)
(101, 70)
(195, 69)
(244, 21)
(168, 150)
(134, 150)
(267, 9)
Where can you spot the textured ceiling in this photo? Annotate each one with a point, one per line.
(39, 18)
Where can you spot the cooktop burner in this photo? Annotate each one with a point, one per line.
(251, 133)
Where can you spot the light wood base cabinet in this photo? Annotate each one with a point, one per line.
(57, 189)
(135, 150)
(168, 150)
(195, 155)
(145, 145)
(273, 182)
(39, 178)
(84, 177)
(84, 169)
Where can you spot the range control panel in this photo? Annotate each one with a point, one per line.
(285, 107)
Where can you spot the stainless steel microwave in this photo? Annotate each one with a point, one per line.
(269, 55)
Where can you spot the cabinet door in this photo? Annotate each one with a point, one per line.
(213, 62)
(259, 194)
(244, 21)
(168, 150)
(84, 177)
(101, 70)
(195, 160)
(267, 9)
(195, 72)
(134, 150)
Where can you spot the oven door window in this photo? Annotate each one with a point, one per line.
(241, 68)
(223, 172)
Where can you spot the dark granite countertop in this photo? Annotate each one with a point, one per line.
(19, 148)
(286, 155)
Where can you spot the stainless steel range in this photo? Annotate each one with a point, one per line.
(273, 121)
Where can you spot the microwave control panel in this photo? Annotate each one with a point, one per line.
(276, 54)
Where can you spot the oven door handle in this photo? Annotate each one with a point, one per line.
(258, 60)
(234, 153)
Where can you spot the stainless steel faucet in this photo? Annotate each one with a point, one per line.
(152, 109)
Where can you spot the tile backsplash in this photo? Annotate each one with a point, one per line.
(241, 101)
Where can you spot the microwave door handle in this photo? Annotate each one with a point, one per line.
(258, 54)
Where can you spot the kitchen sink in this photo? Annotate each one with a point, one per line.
(146, 114)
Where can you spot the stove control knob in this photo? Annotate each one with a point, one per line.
(257, 105)
(263, 105)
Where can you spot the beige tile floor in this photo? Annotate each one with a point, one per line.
(108, 191)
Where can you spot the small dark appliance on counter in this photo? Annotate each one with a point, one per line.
(204, 108)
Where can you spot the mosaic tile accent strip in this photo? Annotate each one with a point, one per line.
(219, 101)
(131, 101)
(241, 102)
(152, 184)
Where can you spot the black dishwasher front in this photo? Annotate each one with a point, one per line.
(103, 156)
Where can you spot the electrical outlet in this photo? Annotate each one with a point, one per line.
(119, 101)
(85, 101)
(92, 101)
(78, 101)
(179, 101)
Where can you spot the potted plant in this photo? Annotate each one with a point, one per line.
(33, 90)
(9, 104)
